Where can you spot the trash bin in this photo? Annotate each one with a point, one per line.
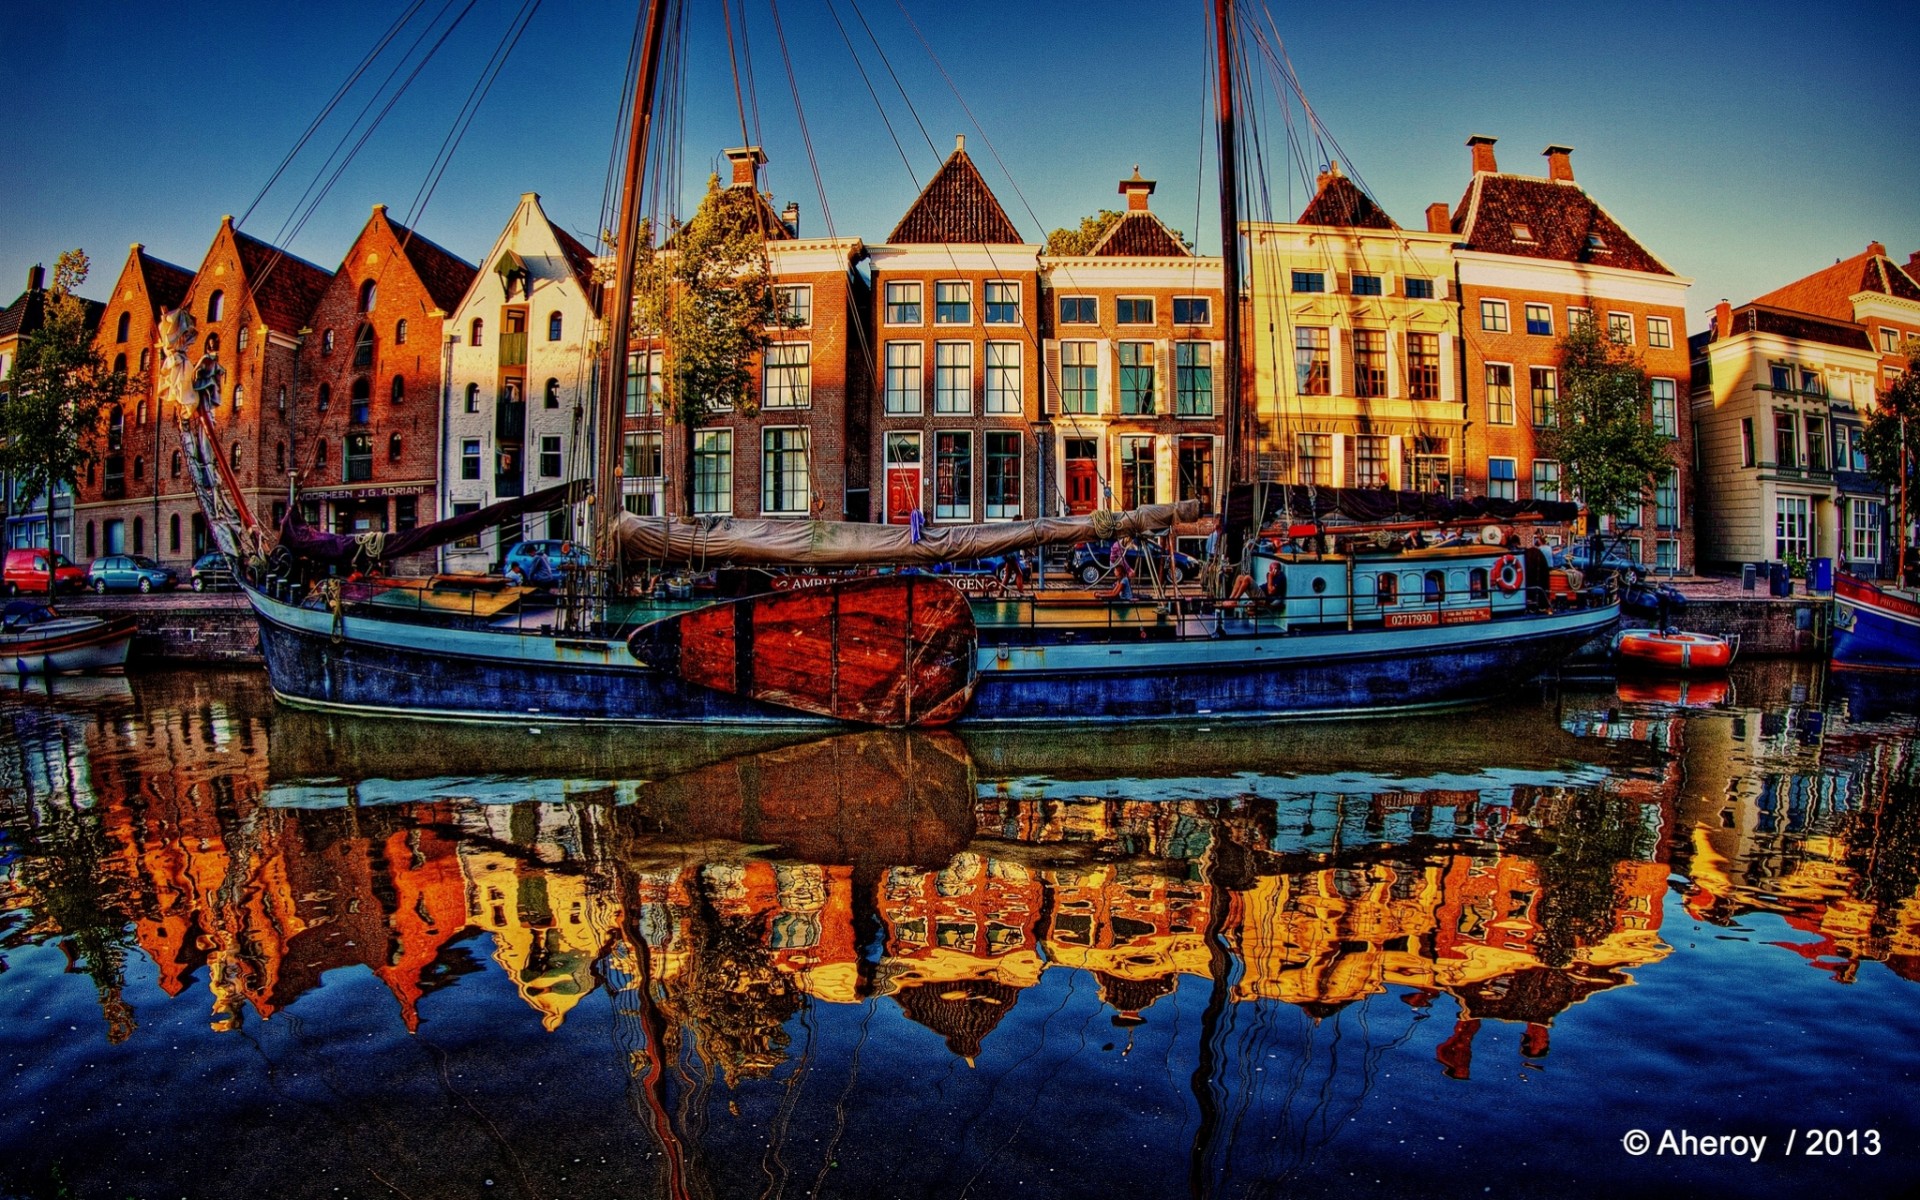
(1822, 575)
(1749, 572)
(1779, 583)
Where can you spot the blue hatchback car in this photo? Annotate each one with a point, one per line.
(129, 572)
(563, 555)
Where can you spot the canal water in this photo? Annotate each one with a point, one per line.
(251, 952)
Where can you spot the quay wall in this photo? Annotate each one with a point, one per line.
(186, 627)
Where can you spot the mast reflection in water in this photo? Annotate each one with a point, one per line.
(253, 951)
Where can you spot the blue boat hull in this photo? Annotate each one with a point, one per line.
(1873, 628)
(422, 670)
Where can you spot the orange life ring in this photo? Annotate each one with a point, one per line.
(1506, 573)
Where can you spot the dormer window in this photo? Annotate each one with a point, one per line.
(1522, 233)
(1596, 242)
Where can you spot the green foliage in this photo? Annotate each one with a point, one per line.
(1892, 417)
(57, 393)
(1611, 453)
(707, 295)
(1070, 243)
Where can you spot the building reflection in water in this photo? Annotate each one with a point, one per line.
(715, 886)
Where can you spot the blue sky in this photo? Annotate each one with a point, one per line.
(1746, 146)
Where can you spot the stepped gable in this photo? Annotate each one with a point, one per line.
(285, 289)
(166, 284)
(445, 275)
(956, 207)
(1139, 235)
(1560, 216)
(963, 1013)
(1339, 203)
(1829, 291)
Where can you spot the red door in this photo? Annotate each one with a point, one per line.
(903, 493)
(1083, 477)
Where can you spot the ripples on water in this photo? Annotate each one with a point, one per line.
(246, 951)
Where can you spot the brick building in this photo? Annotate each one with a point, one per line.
(1533, 255)
(1872, 291)
(119, 510)
(1354, 338)
(363, 435)
(956, 338)
(523, 378)
(1133, 337)
(30, 520)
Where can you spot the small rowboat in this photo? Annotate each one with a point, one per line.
(1673, 650)
(35, 640)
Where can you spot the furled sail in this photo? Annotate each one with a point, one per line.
(370, 551)
(747, 542)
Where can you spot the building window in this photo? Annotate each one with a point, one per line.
(400, 332)
(1666, 500)
(1366, 285)
(359, 457)
(1423, 366)
(1493, 316)
(1780, 377)
(1501, 483)
(1546, 479)
(1192, 310)
(1418, 288)
(712, 471)
(120, 366)
(1079, 310)
(1309, 281)
(173, 534)
(1816, 443)
(116, 427)
(1193, 378)
(1369, 362)
(1195, 467)
(216, 306)
(144, 352)
(469, 457)
(550, 456)
(904, 378)
(139, 468)
(1863, 531)
(644, 383)
(1079, 378)
(397, 392)
(953, 303)
(1003, 303)
(1620, 327)
(1499, 394)
(1786, 441)
(1811, 383)
(641, 462)
(1579, 318)
(1136, 379)
(362, 396)
(1137, 485)
(279, 456)
(1003, 475)
(121, 327)
(1889, 339)
(363, 348)
(1666, 408)
(953, 476)
(1003, 377)
(1134, 310)
(366, 296)
(1312, 364)
(793, 302)
(556, 325)
(787, 380)
(1792, 532)
(174, 468)
(549, 395)
(1315, 463)
(1746, 441)
(784, 486)
(1544, 388)
(1660, 333)
(393, 448)
(476, 332)
(1369, 466)
(472, 401)
(1539, 320)
(953, 377)
(1521, 232)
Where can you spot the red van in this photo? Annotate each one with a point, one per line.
(26, 571)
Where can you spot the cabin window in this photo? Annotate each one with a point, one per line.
(1433, 586)
(1386, 590)
(1477, 583)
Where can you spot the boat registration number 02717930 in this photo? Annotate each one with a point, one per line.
(1437, 616)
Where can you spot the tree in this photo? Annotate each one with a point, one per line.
(56, 395)
(1892, 452)
(1610, 451)
(1070, 243)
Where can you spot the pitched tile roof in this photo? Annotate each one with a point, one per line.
(1341, 203)
(445, 275)
(1139, 235)
(285, 289)
(166, 284)
(25, 314)
(1828, 292)
(579, 258)
(956, 206)
(1802, 326)
(1564, 222)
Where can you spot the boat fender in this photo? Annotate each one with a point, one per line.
(1506, 573)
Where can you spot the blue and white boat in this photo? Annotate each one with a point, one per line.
(1875, 625)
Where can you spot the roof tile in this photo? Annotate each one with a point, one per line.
(1139, 235)
(956, 206)
(1340, 203)
(1564, 222)
(285, 288)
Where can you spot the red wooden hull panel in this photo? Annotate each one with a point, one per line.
(895, 651)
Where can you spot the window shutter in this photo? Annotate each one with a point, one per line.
(1050, 398)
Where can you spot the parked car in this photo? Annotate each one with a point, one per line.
(115, 572)
(212, 571)
(27, 570)
(564, 555)
(1091, 560)
(1580, 557)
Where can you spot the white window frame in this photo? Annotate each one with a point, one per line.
(1659, 333)
(1792, 527)
(887, 301)
(1487, 389)
(1091, 395)
(908, 400)
(774, 501)
(1668, 423)
(1577, 313)
(1006, 379)
(1512, 482)
(1152, 368)
(787, 385)
(1556, 479)
(1494, 317)
(794, 303)
(966, 292)
(949, 370)
(1528, 309)
(987, 301)
(724, 503)
(1192, 345)
(962, 509)
(1868, 549)
(1615, 322)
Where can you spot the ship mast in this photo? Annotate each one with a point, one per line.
(1240, 442)
(607, 488)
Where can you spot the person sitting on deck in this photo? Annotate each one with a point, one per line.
(540, 572)
(1122, 565)
(1269, 592)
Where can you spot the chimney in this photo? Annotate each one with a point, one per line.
(959, 143)
(1439, 220)
(1482, 147)
(36, 278)
(1559, 163)
(1913, 265)
(1136, 190)
(746, 162)
(1878, 249)
(790, 217)
(1723, 320)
